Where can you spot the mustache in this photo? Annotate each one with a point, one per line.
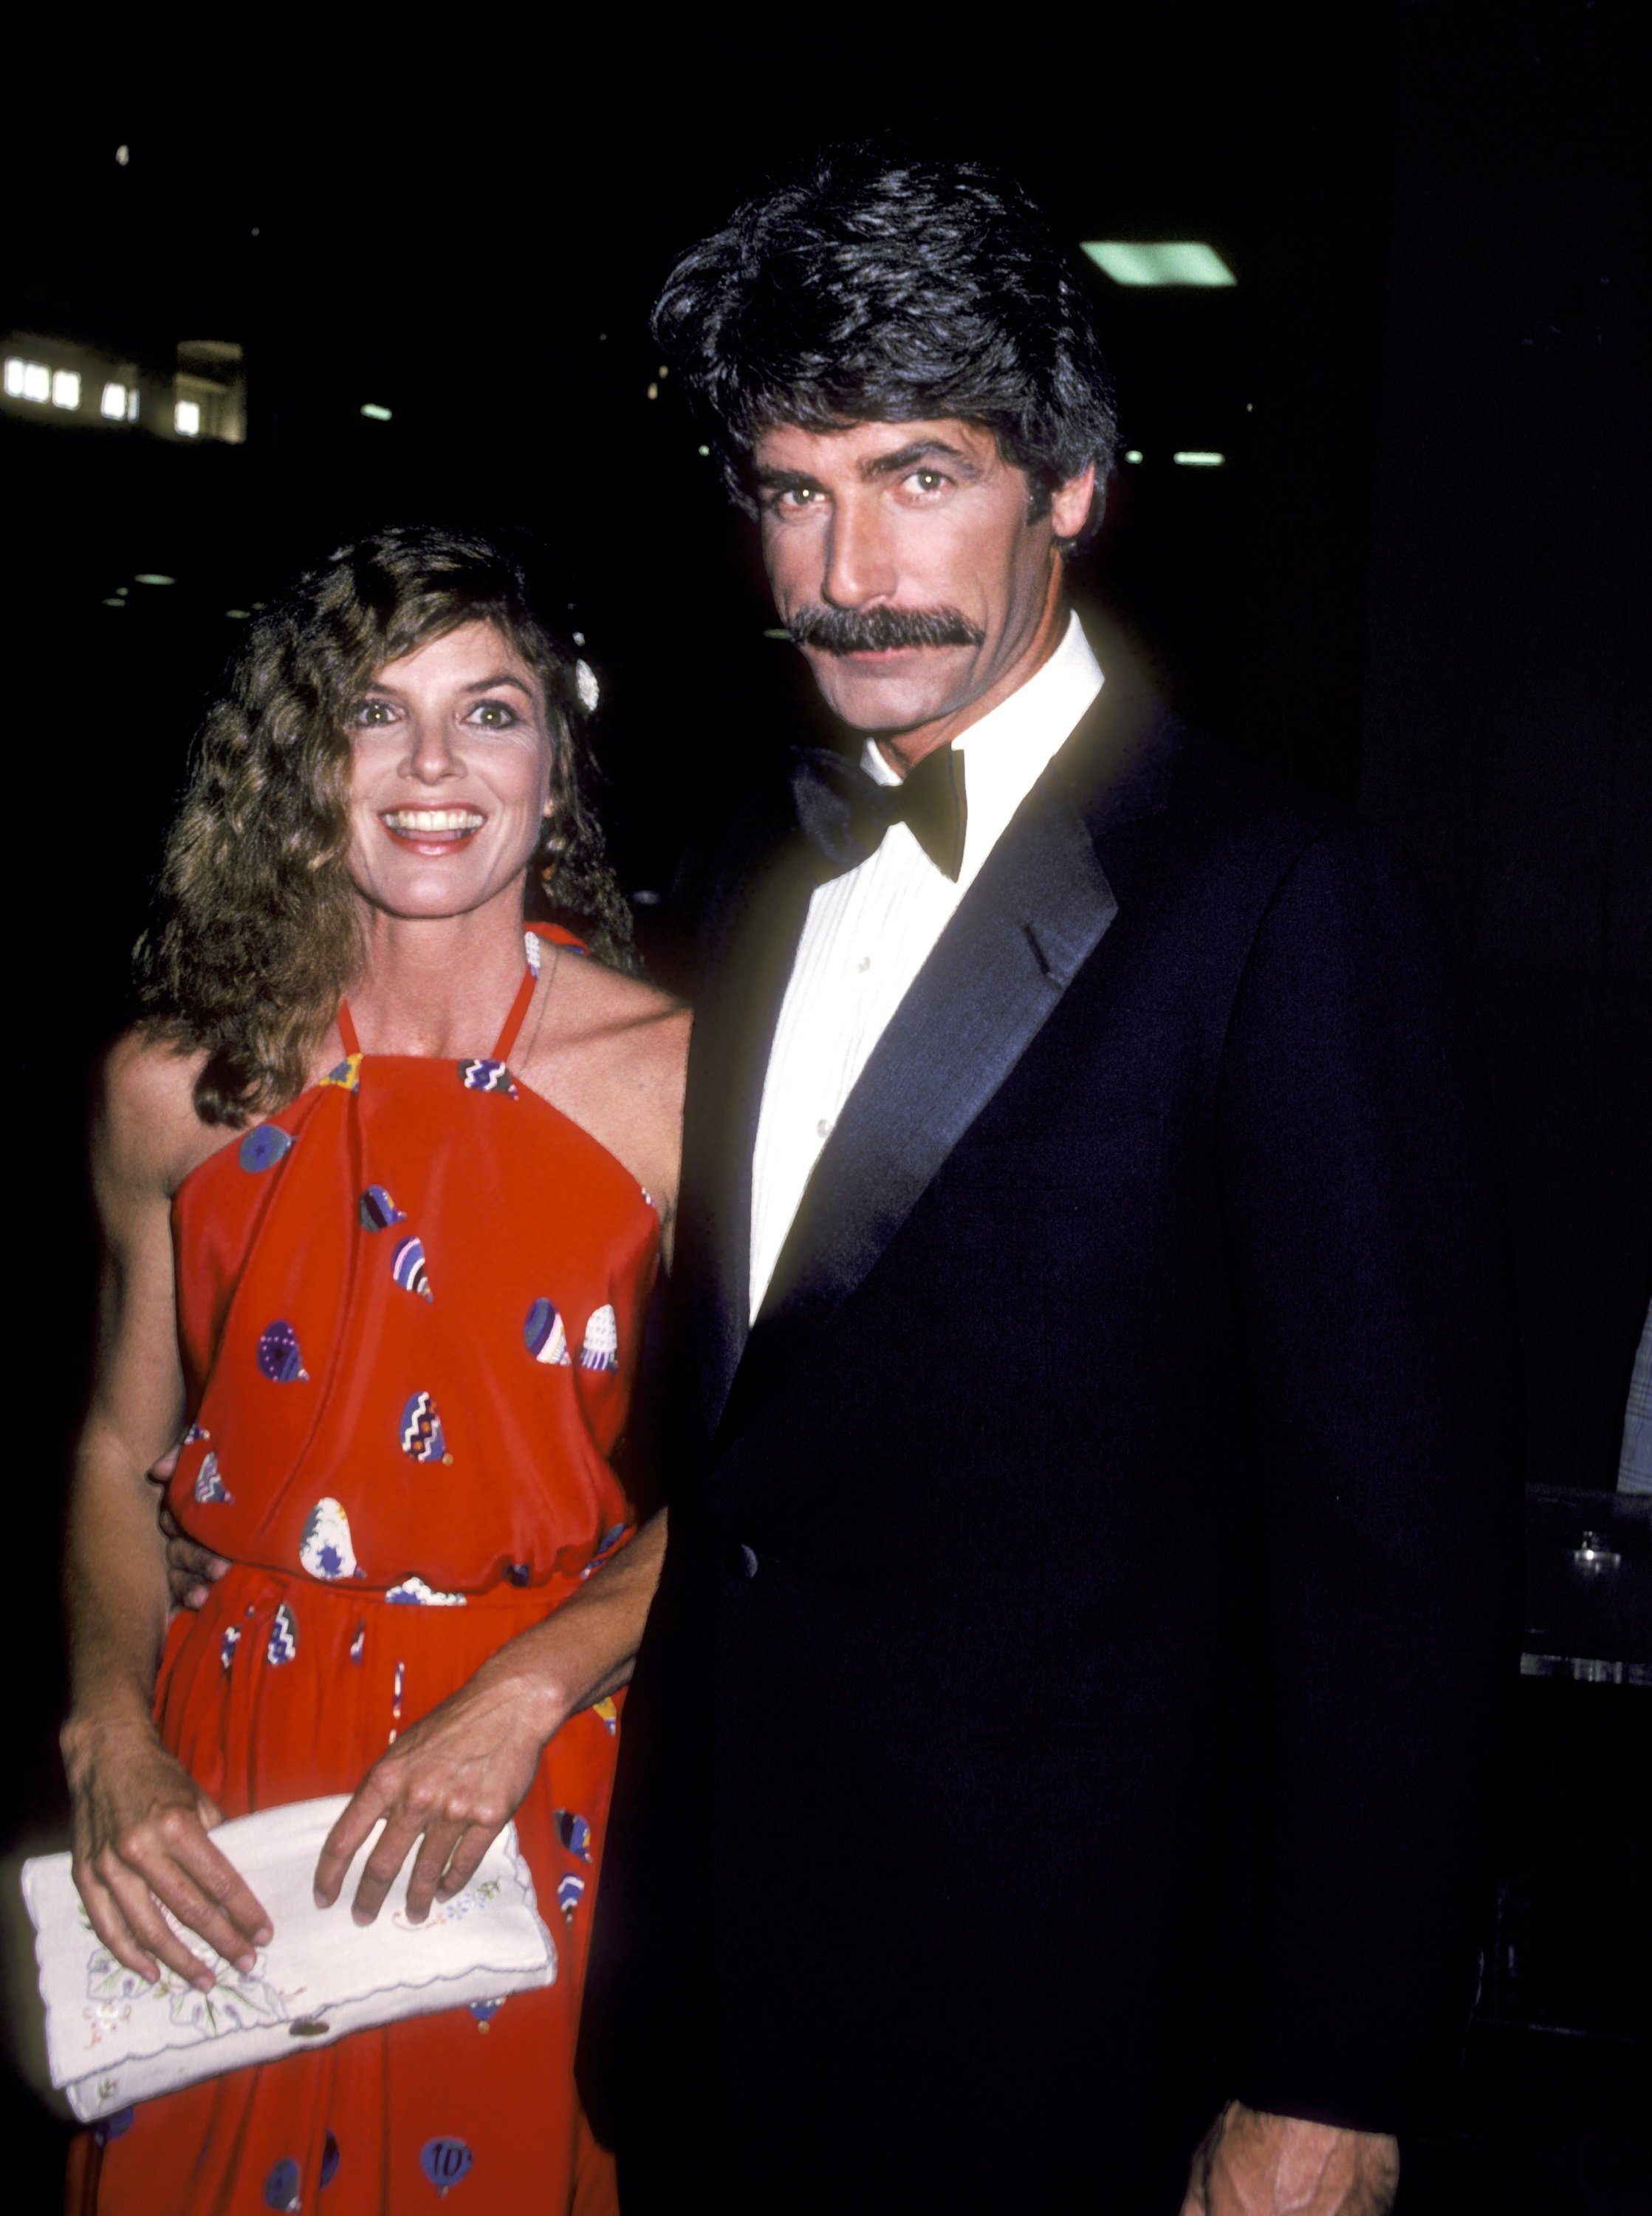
(875, 631)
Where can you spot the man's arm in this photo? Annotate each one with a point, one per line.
(1366, 1237)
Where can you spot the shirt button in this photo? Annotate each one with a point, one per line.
(742, 1561)
(823, 1127)
(865, 963)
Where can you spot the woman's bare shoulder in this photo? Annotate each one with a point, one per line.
(604, 1005)
(147, 1134)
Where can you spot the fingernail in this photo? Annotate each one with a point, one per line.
(245, 1962)
(262, 1937)
(361, 1916)
(321, 1899)
(205, 1982)
(196, 1597)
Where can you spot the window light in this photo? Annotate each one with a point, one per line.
(1170, 262)
(65, 388)
(27, 381)
(186, 419)
(114, 402)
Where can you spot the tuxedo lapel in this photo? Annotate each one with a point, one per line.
(733, 1032)
(1037, 910)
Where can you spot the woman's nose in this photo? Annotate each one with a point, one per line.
(432, 756)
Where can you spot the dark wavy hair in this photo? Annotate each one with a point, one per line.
(257, 928)
(880, 287)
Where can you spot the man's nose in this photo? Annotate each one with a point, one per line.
(432, 756)
(858, 564)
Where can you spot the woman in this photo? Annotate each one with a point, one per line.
(384, 1182)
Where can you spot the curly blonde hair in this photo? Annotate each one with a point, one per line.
(257, 931)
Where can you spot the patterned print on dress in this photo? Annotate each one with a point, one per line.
(444, 2161)
(195, 1431)
(115, 2126)
(485, 2012)
(209, 1484)
(575, 1833)
(606, 1714)
(482, 1073)
(279, 1356)
(281, 2186)
(544, 1336)
(329, 2159)
(601, 1347)
(262, 1146)
(283, 1638)
(606, 1546)
(359, 1644)
(228, 1644)
(345, 1074)
(325, 1549)
(407, 1268)
(570, 1892)
(378, 1211)
(420, 1431)
(415, 1593)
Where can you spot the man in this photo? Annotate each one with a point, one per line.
(1060, 1736)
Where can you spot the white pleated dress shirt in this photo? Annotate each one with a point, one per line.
(870, 932)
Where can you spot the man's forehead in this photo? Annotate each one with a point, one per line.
(794, 447)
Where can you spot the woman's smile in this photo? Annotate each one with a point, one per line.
(432, 832)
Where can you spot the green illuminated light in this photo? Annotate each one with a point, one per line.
(237, 615)
(1170, 262)
(371, 409)
(1196, 458)
(1132, 453)
(151, 577)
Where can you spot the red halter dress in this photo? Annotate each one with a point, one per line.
(408, 1310)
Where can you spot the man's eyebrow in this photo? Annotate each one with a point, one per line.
(920, 450)
(775, 480)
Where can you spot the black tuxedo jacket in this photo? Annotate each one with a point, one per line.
(1072, 1689)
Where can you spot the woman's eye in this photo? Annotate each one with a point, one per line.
(372, 712)
(493, 716)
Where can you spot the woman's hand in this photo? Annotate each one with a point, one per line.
(140, 1842)
(449, 1785)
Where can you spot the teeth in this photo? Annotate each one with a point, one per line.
(434, 819)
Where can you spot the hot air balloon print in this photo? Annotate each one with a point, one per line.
(575, 1833)
(544, 1335)
(413, 1592)
(606, 1711)
(359, 1644)
(444, 2161)
(325, 1550)
(601, 1348)
(570, 1892)
(482, 1073)
(262, 1146)
(279, 1356)
(485, 2012)
(228, 1644)
(378, 1211)
(407, 1268)
(281, 2186)
(209, 1485)
(283, 1638)
(420, 1432)
(345, 1074)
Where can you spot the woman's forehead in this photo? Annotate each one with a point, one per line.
(473, 654)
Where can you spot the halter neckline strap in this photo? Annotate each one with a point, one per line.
(502, 1045)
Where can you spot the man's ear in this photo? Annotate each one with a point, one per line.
(1070, 503)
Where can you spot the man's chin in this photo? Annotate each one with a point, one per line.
(876, 695)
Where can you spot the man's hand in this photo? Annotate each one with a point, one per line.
(1251, 2163)
(191, 1571)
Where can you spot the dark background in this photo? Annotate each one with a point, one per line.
(1419, 583)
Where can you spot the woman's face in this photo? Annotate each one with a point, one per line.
(451, 777)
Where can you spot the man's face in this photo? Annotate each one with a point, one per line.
(902, 561)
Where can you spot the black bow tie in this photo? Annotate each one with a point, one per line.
(844, 812)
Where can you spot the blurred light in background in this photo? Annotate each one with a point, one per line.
(371, 409)
(1174, 261)
(1198, 458)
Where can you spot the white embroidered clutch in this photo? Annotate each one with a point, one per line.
(111, 2038)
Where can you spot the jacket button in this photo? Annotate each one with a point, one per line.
(742, 1561)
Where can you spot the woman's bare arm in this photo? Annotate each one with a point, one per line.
(140, 1823)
